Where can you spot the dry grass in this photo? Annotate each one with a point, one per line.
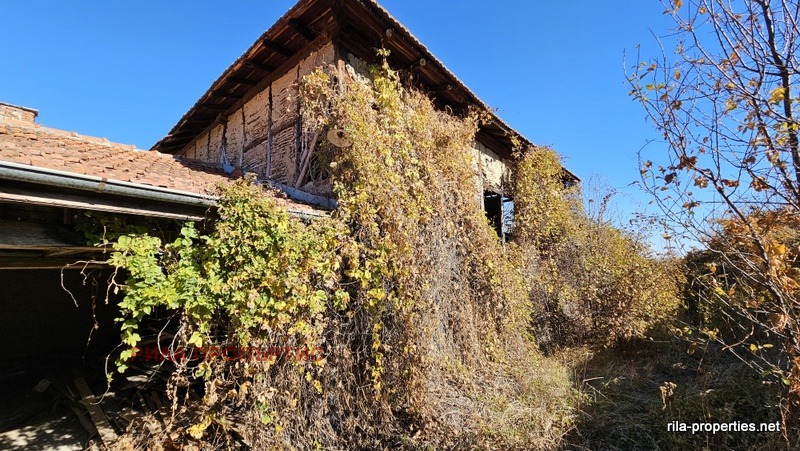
(630, 399)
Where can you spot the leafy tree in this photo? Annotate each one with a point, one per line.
(726, 105)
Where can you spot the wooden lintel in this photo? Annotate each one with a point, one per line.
(302, 29)
(277, 48)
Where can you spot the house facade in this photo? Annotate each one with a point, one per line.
(249, 118)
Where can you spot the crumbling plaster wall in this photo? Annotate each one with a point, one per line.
(495, 172)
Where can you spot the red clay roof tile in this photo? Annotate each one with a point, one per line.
(35, 145)
(45, 147)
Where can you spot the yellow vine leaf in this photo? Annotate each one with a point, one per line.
(199, 429)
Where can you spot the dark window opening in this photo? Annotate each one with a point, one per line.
(500, 213)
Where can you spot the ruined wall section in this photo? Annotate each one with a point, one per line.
(494, 171)
(262, 136)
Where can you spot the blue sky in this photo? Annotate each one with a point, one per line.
(553, 70)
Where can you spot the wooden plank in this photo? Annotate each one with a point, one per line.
(107, 433)
(214, 107)
(11, 263)
(102, 203)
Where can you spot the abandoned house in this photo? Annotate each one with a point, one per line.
(246, 122)
(248, 118)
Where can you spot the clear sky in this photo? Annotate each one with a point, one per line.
(553, 70)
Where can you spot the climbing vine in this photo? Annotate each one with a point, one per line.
(426, 318)
(257, 273)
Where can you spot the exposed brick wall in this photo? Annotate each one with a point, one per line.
(17, 113)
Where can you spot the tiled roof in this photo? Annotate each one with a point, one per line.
(50, 148)
(43, 147)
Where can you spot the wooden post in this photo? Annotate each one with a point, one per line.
(107, 433)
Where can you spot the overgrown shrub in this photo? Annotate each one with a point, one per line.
(597, 285)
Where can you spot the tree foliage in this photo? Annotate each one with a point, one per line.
(726, 106)
(597, 284)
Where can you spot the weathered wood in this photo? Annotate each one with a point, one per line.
(161, 410)
(277, 48)
(187, 129)
(214, 107)
(493, 144)
(259, 66)
(229, 95)
(276, 73)
(107, 433)
(111, 205)
(243, 81)
(305, 160)
(302, 29)
(268, 168)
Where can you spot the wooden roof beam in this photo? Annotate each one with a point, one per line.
(226, 94)
(184, 131)
(190, 128)
(259, 66)
(422, 62)
(302, 29)
(277, 48)
(214, 107)
(242, 81)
